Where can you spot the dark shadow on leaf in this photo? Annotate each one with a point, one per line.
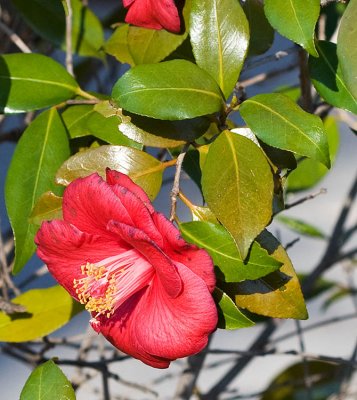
(5, 84)
(22, 315)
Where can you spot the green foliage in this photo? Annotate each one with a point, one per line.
(33, 81)
(40, 152)
(221, 247)
(47, 18)
(295, 19)
(301, 227)
(144, 169)
(212, 46)
(170, 90)
(47, 381)
(279, 122)
(327, 78)
(346, 51)
(46, 311)
(230, 188)
(229, 316)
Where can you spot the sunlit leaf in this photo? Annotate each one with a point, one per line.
(326, 75)
(279, 122)
(276, 295)
(229, 316)
(221, 247)
(46, 311)
(47, 207)
(33, 81)
(295, 19)
(145, 170)
(310, 172)
(239, 190)
(346, 50)
(47, 381)
(169, 90)
(220, 48)
(300, 226)
(39, 153)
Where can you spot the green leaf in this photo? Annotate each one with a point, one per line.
(309, 172)
(239, 190)
(279, 122)
(326, 75)
(229, 316)
(47, 381)
(278, 294)
(39, 153)
(221, 247)
(169, 90)
(261, 32)
(118, 47)
(47, 18)
(33, 81)
(346, 50)
(295, 19)
(46, 311)
(203, 214)
(160, 133)
(47, 207)
(220, 48)
(145, 170)
(84, 120)
(300, 226)
(290, 384)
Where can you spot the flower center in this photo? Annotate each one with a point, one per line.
(108, 283)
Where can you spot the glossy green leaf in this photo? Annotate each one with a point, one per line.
(145, 170)
(221, 247)
(309, 172)
(84, 120)
(346, 49)
(239, 190)
(326, 75)
(295, 19)
(39, 153)
(47, 207)
(279, 122)
(278, 294)
(169, 90)
(220, 48)
(33, 81)
(118, 47)
(47, 382)
(203, 214)
(47, 18)
(290, 383)
(229, 316)
(46, 311)
(301, 227)
(261, 32)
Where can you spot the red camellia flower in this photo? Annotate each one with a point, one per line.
(149, 292)
(154, 14)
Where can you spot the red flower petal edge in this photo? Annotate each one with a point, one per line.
(153, 14)
(149, 292)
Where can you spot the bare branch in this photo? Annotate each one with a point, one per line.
(15, 38)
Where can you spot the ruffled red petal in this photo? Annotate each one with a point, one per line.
(89, 204)
(64, 249)
(198, 260)
(155, 327)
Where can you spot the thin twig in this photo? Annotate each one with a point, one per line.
(15, 38)
(176, 185)
(306, 198)
(69, 56)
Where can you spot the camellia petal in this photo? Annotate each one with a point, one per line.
(153, 14)
(148, 291)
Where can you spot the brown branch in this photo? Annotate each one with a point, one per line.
(15, 38)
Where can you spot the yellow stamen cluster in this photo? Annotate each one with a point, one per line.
(104, 304)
